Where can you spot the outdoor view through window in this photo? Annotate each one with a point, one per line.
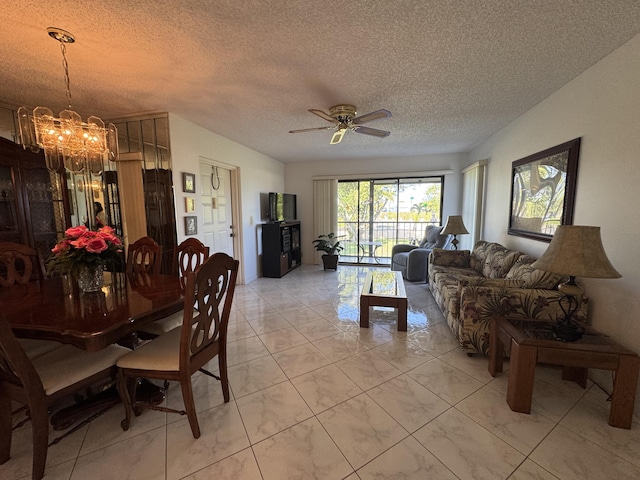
(376, 214)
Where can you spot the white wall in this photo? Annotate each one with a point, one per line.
(299, 180)
(258, 174)
(603, 107)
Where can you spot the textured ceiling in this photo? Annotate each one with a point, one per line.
(451, 72)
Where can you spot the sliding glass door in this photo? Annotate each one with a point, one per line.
(376, 214)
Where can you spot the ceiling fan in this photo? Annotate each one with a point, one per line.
(343, 118)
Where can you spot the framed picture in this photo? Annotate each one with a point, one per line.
(190, 225)
(188, 182)
(189, 204)
(543, 190)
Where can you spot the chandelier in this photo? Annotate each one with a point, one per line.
(67, 140)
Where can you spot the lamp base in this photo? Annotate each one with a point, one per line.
(567, 331)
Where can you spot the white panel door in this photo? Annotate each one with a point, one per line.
(215, 198)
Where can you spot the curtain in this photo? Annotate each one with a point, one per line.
(325, 209)
(472, 203)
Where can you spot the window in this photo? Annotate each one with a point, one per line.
(376, 214)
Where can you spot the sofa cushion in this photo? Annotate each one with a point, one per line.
(499, 261)
(532, 277)
(479, 255)
(450, 258)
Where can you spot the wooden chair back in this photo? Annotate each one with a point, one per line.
(204, 333)
(19, 264)
(144, 256)
(189, 255)
(202, 336)
(21, 381)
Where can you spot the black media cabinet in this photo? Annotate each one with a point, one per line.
(281, 251)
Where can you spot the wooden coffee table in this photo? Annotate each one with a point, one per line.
(383, 289)
(532, 341)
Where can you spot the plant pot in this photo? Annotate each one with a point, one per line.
(330, 262)
(91, 279)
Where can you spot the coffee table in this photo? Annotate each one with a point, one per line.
(532, 341)
(383, 289)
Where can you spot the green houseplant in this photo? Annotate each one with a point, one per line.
(329, 244)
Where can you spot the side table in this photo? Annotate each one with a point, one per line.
(532, 341)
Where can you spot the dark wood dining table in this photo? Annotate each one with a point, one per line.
(54, 308)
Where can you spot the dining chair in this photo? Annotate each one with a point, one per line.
(37, 383)
(144, 256)
(189, 255)
(179, 353)
(19, 264)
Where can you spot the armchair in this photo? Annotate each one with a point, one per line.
(412, 260)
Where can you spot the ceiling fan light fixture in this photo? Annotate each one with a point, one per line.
(66, 139)
(337, 136)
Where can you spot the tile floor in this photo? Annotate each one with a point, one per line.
(316, 397)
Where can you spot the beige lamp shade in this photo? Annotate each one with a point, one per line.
(577, 251)
(454, 226)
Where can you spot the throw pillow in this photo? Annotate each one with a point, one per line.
(499, 261)
(532, 277)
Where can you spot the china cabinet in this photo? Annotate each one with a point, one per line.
(33, 209)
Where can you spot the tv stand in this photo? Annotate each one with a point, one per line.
(281, 250)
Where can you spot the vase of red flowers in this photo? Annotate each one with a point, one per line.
(83, 253)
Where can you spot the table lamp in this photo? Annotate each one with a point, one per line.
(575, 251)
(455, 226)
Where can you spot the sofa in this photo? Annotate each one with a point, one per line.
(472, 286)
(411, 260)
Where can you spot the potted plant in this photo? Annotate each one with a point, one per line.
(330, 245)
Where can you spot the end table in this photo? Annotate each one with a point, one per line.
(532, 341)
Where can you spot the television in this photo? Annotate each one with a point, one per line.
(282, 207)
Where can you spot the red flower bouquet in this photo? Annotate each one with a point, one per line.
(82, 247)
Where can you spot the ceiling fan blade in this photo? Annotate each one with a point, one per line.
(321, 114)
(337, 137)
(311, 129)
(372, 131)
(371, 116)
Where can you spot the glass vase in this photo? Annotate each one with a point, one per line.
(91, 279)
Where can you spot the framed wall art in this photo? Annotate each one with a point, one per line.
(189, 204)
(188, 182)
(190, 225)
(543, 189)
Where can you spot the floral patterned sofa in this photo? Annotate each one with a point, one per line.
(472, 286)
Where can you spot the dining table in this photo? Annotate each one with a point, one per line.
(56, 309)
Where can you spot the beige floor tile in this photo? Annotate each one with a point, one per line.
(449, 383)
(325, 387)
(304, 451)
(572, 457)
(269, 411)
(361, 429)
(407, 460)
(470, 451)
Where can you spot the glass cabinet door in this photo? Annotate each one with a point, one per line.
(10, 230)
(45, 208)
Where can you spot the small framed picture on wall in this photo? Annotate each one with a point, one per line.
(188, 182)
(189, 204)
(191, 225)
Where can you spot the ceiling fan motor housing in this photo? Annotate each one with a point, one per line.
(343, 113)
